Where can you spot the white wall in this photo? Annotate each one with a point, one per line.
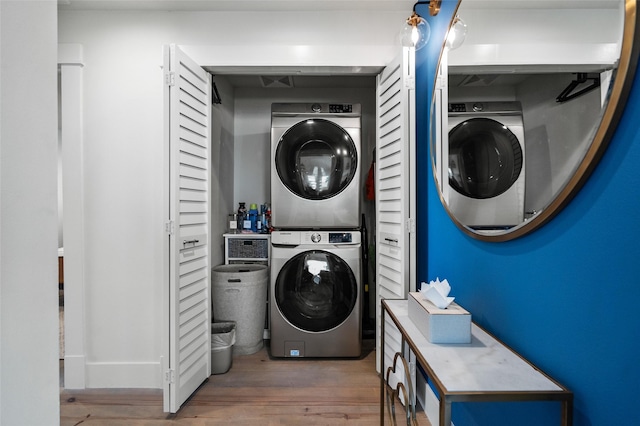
(28, 214)
(124, 158)
(222, 168)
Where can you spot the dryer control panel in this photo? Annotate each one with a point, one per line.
(341, 237)
(340, 108)
(473, 108)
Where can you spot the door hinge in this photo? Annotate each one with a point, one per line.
(409, 82)
(170, 78)
(170, 227)
(170, 376)
(441, 82)
(411, 226)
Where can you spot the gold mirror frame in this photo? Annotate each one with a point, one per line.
(629, 55)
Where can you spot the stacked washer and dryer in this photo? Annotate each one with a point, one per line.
(315, 291)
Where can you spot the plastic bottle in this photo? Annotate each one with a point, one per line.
(242, 213)
(268, 219)
(263, 227)
(233, 223)
(253, 217)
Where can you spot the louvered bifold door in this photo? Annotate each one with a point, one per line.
(188, 228)
(394, 145)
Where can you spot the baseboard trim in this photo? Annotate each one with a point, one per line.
(74, 377)
(123, 375)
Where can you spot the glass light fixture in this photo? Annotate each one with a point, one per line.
(416, 31)
(457, 33)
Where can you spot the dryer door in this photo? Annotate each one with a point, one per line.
(316, 159)
(485, 158)
(316, 291)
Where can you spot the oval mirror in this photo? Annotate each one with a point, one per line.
(526, 106)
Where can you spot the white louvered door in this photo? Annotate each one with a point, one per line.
(187, 109)
(395, 189)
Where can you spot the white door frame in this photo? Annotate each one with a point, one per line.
(70, 64)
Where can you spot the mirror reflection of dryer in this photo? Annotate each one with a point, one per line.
(315, 308)
(315, 175)
(486, 164)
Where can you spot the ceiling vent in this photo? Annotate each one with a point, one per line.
(481, 80)
(277, 82)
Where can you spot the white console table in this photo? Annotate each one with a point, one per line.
(484, 370)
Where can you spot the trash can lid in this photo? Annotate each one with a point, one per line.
(222, 327)
(238, 268)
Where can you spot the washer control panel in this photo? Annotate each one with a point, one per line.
(294, 238)
(331, 237)
(457, 108)
(334, 238)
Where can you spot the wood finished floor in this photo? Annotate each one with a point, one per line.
(257, 390)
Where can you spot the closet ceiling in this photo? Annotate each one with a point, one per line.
(247, 78)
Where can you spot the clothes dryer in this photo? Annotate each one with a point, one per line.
(315, 296)
(315, 165)
(487, 164)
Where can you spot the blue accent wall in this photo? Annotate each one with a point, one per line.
(565, 297)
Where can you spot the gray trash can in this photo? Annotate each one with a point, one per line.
(223, 336)
(239, 294)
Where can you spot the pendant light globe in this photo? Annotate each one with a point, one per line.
(415, 32)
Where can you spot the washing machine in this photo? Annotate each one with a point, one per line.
(315, 165)
(487, 164)
(315, 294)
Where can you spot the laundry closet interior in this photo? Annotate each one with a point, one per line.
(309, 113)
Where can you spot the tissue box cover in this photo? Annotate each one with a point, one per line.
(450, 325)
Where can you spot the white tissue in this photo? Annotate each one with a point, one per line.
(436, 292)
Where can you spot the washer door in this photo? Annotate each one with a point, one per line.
(485, 158)
(316, 291)
(316, 159)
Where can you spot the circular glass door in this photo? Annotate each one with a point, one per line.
(316, 159)
(316, 291)
(485, 158)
